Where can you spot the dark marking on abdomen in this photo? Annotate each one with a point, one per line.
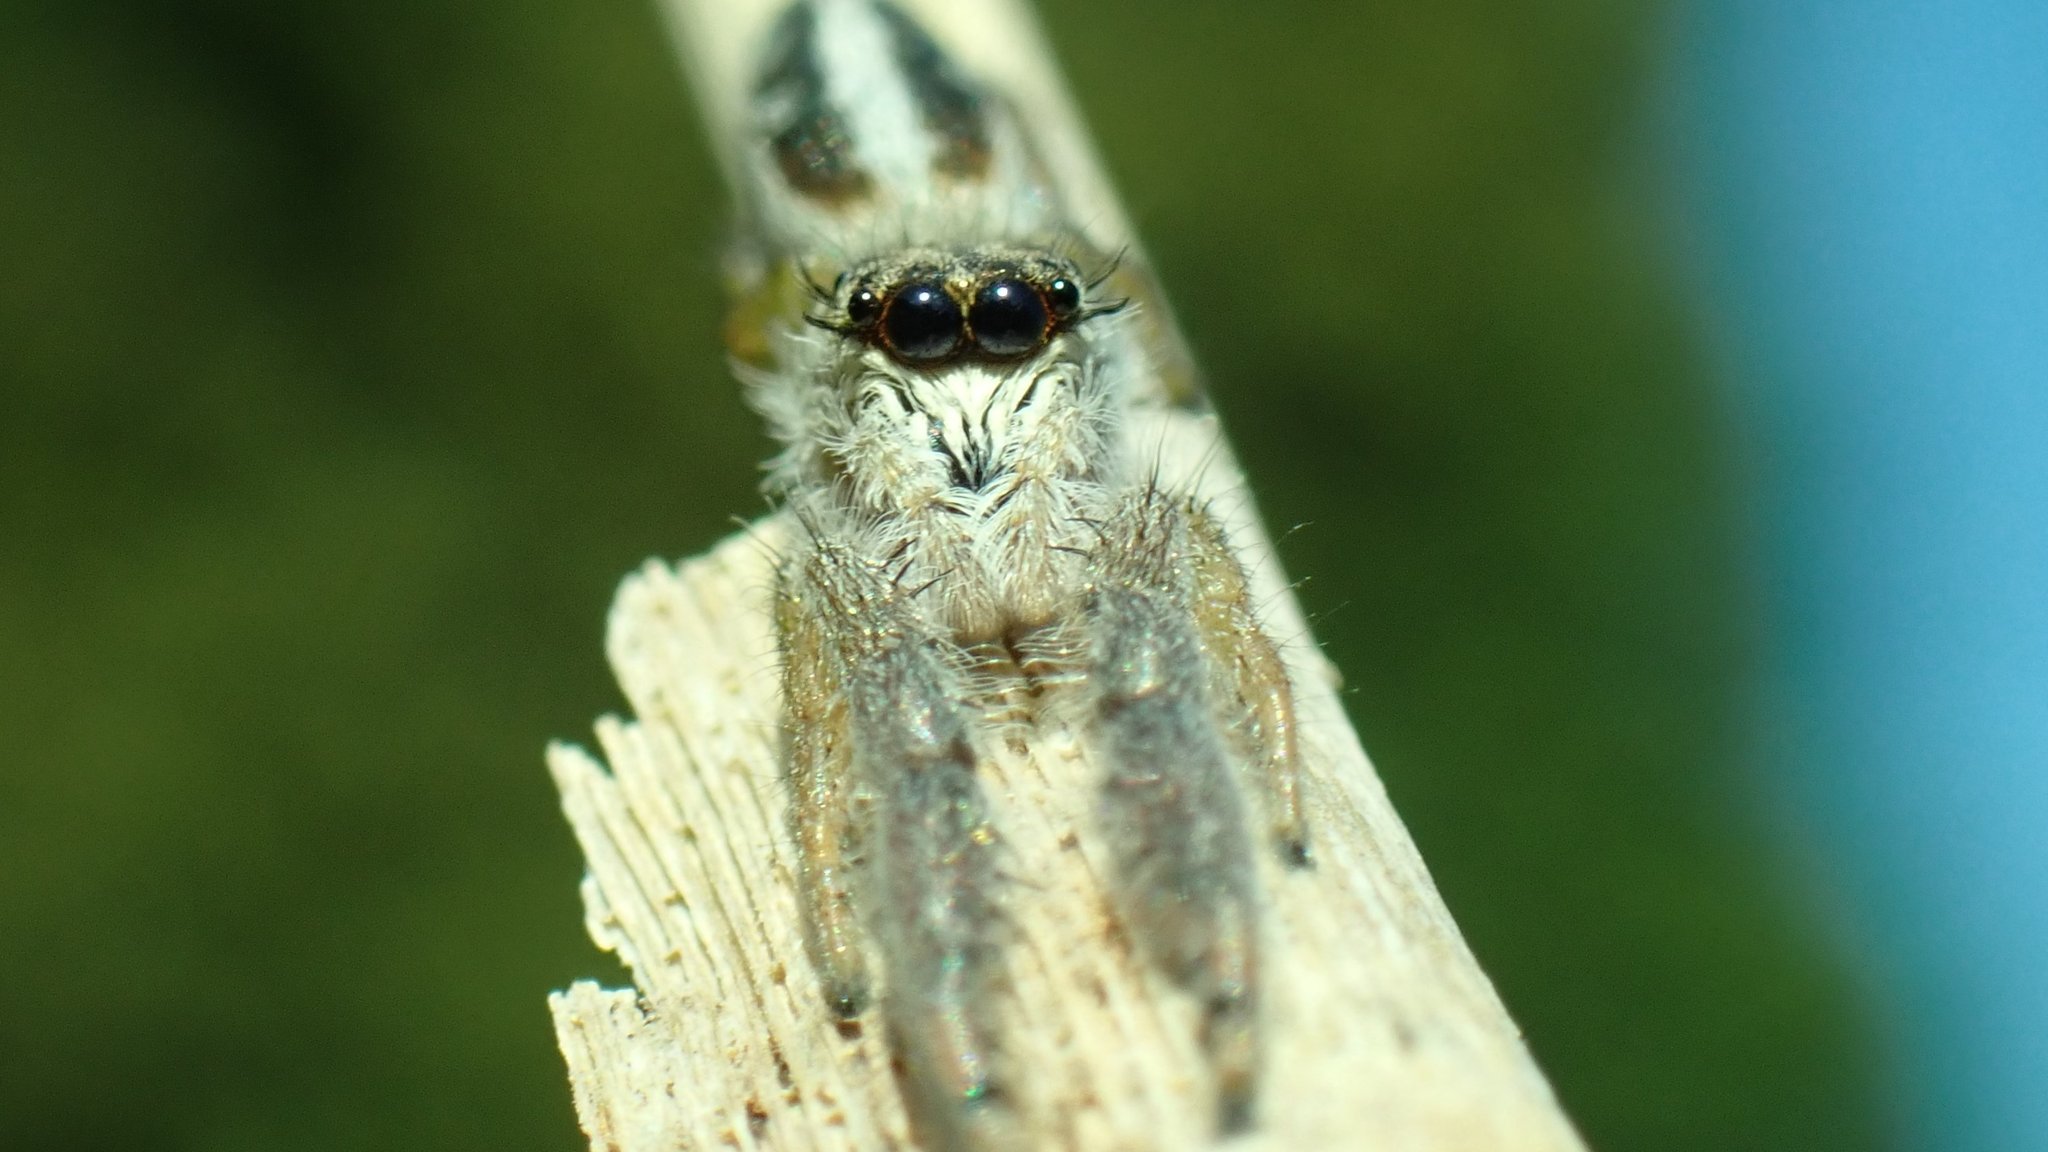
(950, 104)
(808, 135)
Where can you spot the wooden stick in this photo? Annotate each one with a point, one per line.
(1381, 1031)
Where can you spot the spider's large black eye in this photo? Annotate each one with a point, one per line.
(1008, 318)
(863, 306)
(1065, 297)
(922, 323)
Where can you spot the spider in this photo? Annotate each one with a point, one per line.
(973, 514)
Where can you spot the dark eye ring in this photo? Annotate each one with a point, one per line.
(921, 322)
(1008, 318)
(1064, 296)
(863, 307)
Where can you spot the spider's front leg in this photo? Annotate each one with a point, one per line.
(825, 815)
(1185, 682)
(1249, 679)
(879, 721)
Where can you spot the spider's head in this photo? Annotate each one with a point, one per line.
(971, 360)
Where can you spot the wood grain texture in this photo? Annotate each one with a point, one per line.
(1381, 1031)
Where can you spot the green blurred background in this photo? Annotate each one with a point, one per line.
(351, 352)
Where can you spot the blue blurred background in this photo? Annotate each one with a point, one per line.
(1868, 192)
(1656, 391)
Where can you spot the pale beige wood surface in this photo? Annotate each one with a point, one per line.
(1381, 1031)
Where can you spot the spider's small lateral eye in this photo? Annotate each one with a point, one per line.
(1008, 318)
(1065, 297)
(863, 306)
(922, 323)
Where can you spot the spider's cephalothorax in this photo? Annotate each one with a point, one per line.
(958, 464)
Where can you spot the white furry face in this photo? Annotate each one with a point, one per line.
(973, 428)
(964, 374)
(979, 467)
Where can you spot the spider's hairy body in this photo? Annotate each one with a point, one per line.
(975, 514)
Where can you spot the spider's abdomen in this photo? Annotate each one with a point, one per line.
(862, 117)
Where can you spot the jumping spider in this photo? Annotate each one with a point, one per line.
(955, 413)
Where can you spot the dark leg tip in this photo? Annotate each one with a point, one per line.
(1295, 854)
(1234, 1115)
(847, 1002)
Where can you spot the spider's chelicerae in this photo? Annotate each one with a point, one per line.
(974, 512)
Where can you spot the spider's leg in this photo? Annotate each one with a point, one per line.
(1252, 684)
(1171, 807)
(927, 890)
(818, 770)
